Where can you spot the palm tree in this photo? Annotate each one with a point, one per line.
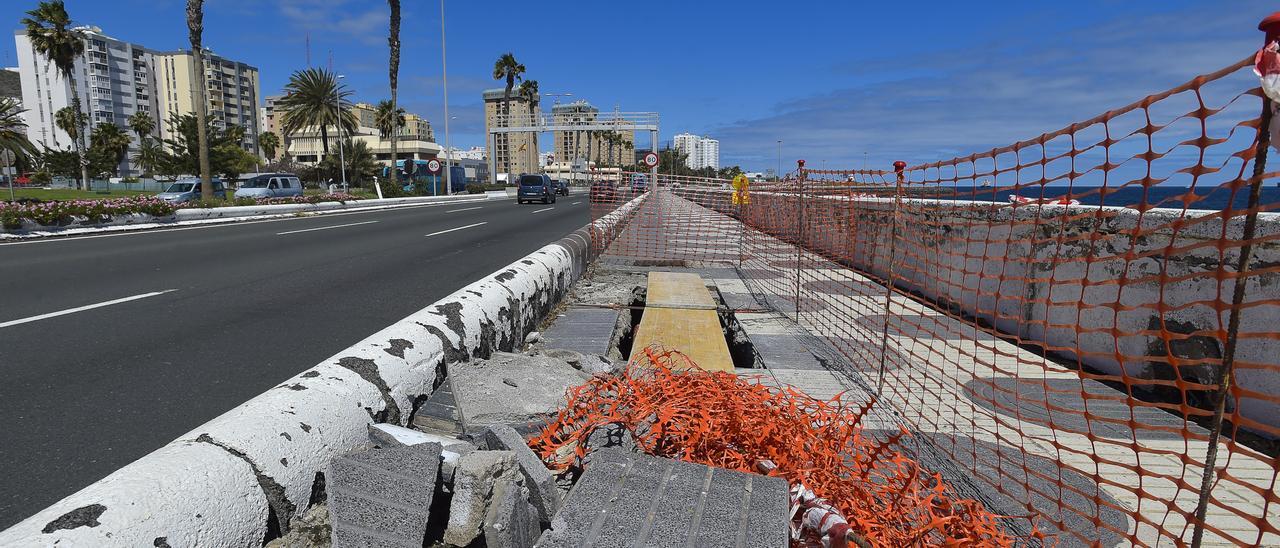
(388, 119)
(48, 28)
(13, 131)
(268, 142)
(529, 92)
(142, 124)
(111, 140)
(151, 157)
(507, 68)
(195, 31)
(314, 98)
(72, 121)
(393, 40)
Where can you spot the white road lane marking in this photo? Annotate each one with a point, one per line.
(463, 209)
(324, 228)
(82, 308)
(456, 229)
(575, 203)
(543, 209)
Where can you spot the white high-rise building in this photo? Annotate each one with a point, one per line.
(115, 79)
(701, 152)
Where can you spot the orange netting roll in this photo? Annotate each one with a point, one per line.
(675, 410)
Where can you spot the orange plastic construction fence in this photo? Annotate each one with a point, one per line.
(1085, 322)
(720, 419)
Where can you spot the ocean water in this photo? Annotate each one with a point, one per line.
(1177, 197)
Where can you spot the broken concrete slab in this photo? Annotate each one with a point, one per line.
(439, 414)
(511, 521)
(310, 529)
(477, 475)
(607, 436)
(381, 497)
(629, 499)
(390, 435)
(593, 364)
(538, 478)
(484, 400)
(586, 330)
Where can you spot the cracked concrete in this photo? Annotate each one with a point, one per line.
(282, 508)
(368, 370)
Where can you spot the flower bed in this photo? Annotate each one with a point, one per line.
(63, 212)
(12, 214)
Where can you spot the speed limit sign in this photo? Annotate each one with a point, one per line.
(651, 159)
(433, 165)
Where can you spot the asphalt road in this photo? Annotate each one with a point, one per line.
(218, 315)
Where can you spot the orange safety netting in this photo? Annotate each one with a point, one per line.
(1084, 322)
(720, 419)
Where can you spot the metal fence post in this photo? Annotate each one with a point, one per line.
(1271, 26)
(800, 176)
(899, 168)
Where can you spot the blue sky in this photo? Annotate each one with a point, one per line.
(832, 80)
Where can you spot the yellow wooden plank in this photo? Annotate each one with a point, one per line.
(696, 333)
(678, 290)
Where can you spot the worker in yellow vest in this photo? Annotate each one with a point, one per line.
(740, 190)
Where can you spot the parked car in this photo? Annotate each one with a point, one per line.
(603, 192)
(188, 190)
(536, 187)
(639, 183)
(562, 187)
(270, 185)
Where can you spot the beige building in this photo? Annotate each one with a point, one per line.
(231, 92)
(416, 128)
(513, 153)
(416, 140)
(594, 146)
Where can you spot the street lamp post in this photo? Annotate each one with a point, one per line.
(342, 159)
(444, 77)
(778, 173)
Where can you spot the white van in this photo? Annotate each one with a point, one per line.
(270, 185)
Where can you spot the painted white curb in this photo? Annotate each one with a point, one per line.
(228, 481)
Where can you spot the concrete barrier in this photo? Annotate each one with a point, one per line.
(240, 477)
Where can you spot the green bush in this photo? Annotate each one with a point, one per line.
(475, 188)
(41, 177)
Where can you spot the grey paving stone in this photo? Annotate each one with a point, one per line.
(511, 522)
(586, 330)
(439, 414)
(629, 499)
(783, 351)
(542, 484)
(381, 497)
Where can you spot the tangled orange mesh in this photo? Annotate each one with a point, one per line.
(677, 411)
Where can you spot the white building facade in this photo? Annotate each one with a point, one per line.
(116, 79)
(701, 152)
(113, 79)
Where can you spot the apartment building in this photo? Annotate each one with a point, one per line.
(701, 152)
(594, 146)
(513, 153)
(115, 79)
(231, 96)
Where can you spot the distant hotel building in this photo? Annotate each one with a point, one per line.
(416, 140)
(592, 146)
(702, 151)
(513, 153)
(115, 79)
